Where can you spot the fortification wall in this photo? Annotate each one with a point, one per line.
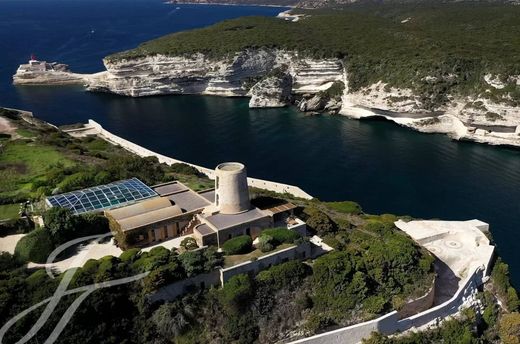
(418, 305)
(302, 251)
(141, 151)
(220, 276)
(391, 323)
(176, 289)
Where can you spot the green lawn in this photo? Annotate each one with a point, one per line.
(9, 211)
(25, 133)
(22, 163)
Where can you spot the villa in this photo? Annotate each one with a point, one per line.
(141, 216)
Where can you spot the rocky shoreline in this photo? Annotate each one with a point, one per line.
(277, 78)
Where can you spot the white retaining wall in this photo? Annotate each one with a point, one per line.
(390, 323)
(303, 251)
(141, 151)
(172, 291)
(220, 276)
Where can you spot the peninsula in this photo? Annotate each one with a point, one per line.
(215, 261)
(449, 69)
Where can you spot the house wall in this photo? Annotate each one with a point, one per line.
(255, 228)
(152, 233)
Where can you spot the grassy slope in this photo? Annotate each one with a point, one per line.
(468, 40)
(24, 162)
(9, 211)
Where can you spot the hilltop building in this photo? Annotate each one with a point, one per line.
(35, 65)
(211, 216)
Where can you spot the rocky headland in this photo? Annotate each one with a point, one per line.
(405, 68)
(276, 78)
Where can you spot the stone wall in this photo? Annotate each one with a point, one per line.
(303, 251)
(141, 151)
(220, 276)
(391, 323)
(174, 290)
(418, 305)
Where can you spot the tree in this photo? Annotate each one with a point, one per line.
(509, 328)
(318, 221)
(35, 246)
(265, 243)
(189, 243)
(61, 224)
(237, 293)
(192, 262)
(238, 245)
(173, 319)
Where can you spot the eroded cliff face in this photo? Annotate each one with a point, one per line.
(275, 78)
(198, 74)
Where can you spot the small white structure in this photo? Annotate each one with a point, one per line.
(231, 191)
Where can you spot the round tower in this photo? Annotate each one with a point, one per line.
(231, 192)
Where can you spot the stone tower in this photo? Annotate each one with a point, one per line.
(231, 192)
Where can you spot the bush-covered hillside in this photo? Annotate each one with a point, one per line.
(397, 44)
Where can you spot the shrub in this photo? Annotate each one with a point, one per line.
(238, 245)
(130, 255)
(290, 274)
(265, 243)
(500, 277)
(346, 207)
(35, 246)
(17, 226)
(281, 235)
(509, 328)
(184, 169)
(237, 292)
(318, 221)
(374, 304)
(189, 244)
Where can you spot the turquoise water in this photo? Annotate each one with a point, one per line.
(384, 167)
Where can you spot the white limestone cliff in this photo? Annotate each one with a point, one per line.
(271, 91)
(306, 82)
(198, 74)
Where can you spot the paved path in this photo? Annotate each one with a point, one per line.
(8, 243)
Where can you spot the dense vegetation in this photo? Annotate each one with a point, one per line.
(374, 268)
(302, 296)
(61, 225)
(455, 45)
(238, 245)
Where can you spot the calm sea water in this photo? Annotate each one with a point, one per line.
(384, 167)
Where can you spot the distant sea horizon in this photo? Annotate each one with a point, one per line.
(384, 167)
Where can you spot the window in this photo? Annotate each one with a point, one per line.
(216, 200)
(248, 231)
(216, 183)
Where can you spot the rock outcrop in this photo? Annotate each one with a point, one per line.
(272, 91)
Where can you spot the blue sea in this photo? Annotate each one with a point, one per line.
(386, 168)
